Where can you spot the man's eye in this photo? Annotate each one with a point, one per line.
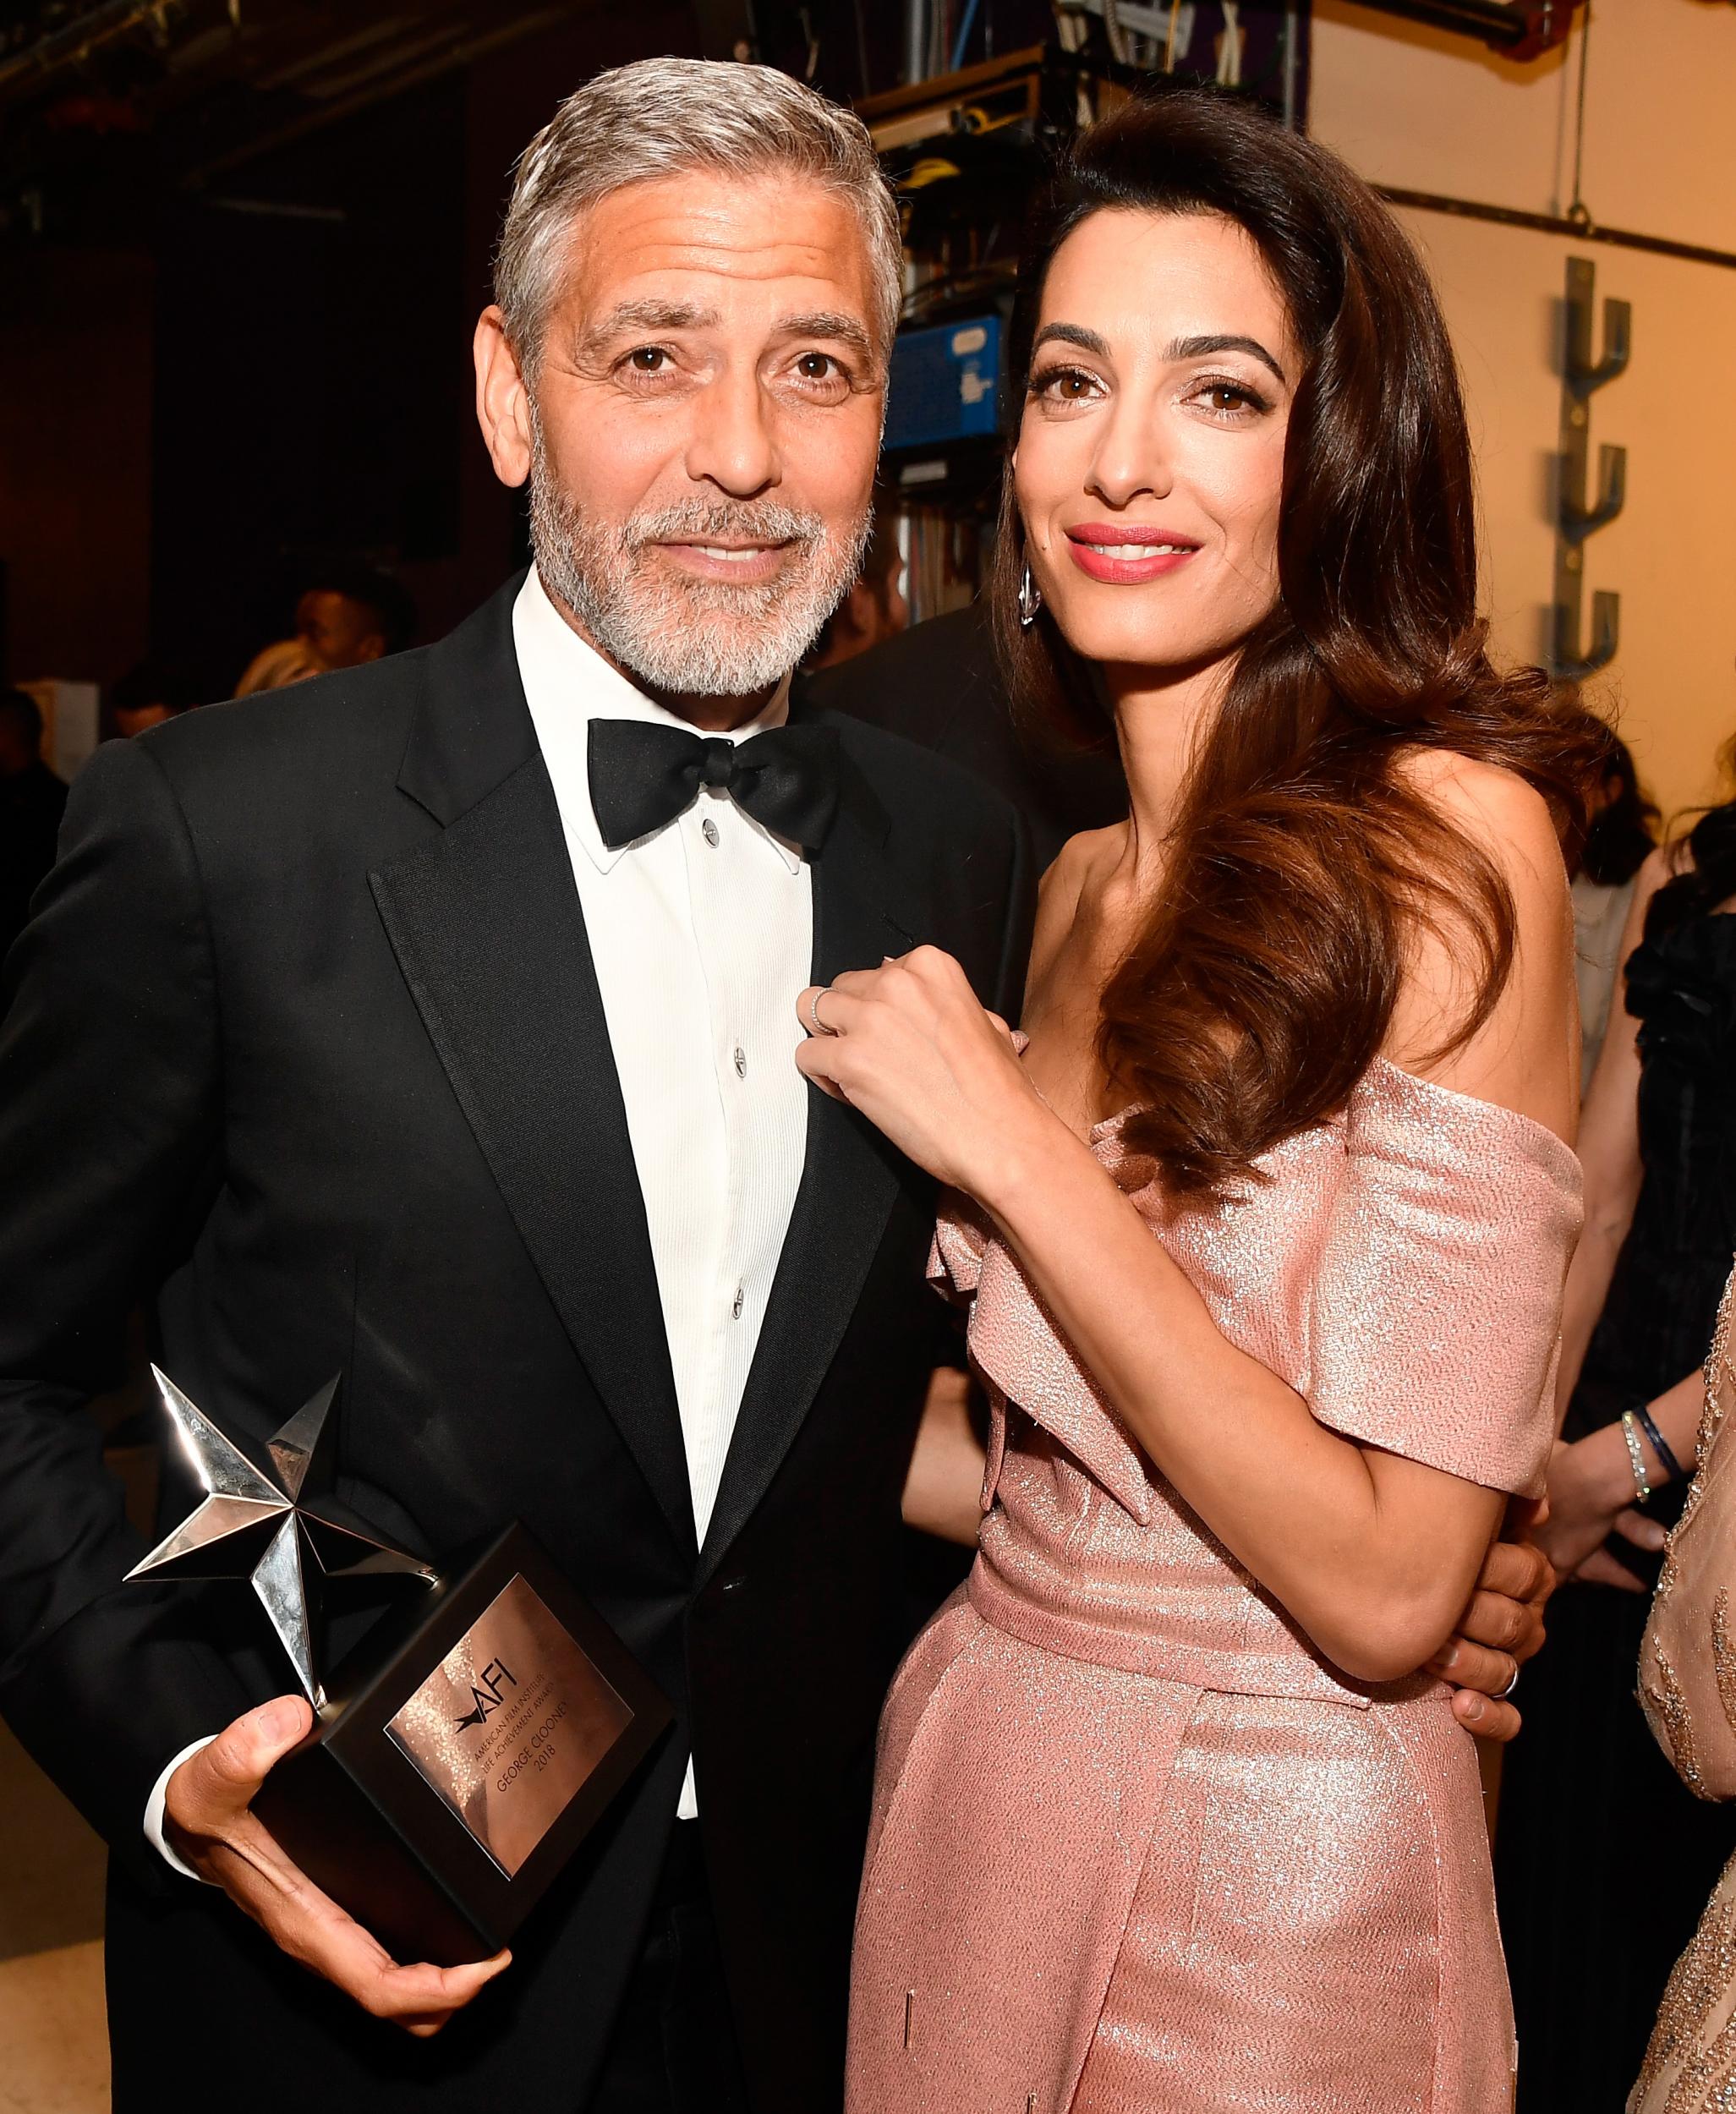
(816, 366)
(647, 359)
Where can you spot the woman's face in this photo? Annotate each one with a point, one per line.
(1150, 458)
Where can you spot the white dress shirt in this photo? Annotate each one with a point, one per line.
(702, 935)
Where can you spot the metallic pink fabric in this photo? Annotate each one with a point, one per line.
(1137, 1847)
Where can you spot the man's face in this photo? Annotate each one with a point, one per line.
(702, 429)
(337, 633)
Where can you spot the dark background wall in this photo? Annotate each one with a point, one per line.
(276, 366)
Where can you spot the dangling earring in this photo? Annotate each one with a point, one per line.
(1030, 599)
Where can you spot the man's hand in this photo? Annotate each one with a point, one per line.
(209, 1821)
(1501, 1628)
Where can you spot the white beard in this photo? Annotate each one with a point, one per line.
(684, 636)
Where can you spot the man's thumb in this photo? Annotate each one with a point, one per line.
(239, 1757)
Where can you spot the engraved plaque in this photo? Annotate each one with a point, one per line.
(511, 1724)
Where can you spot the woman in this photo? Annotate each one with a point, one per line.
(1166, 1817)
(1591, 1931)
(1603, 865)
(1685, 1673)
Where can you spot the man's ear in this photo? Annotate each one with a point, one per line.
(502, 402)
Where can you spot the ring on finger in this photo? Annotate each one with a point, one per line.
(1511, 1685)
(820, 1025)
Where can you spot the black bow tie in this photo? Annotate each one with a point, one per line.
(644, 776)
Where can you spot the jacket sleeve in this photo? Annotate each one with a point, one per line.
(109, 1131)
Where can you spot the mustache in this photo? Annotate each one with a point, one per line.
(767, 522)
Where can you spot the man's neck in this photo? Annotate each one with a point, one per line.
(705, 714)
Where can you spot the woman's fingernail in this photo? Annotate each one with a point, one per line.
(1655, 1536)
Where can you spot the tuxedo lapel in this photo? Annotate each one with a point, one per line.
(487, 929)
(851, 1176)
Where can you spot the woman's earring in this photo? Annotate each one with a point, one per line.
(1030, 599)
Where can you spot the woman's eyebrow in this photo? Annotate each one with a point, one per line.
(1071, 334)
(1202, 347)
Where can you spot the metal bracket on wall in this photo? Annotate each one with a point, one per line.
(1575, 517)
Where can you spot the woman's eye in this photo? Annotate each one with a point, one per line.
(1065, 385)
(1226, 399)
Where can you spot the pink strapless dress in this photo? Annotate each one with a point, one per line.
(1137, 1847)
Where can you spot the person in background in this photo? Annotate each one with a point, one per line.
(149, 695)
(939, 684)
(1603, 1858)
(1603, 864)
(1684, 1679)
(346, 616)
(32, 800)
(874, 609)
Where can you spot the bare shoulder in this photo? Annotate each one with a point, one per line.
(1062, 885)
(1523, 1054)
(1506, 819)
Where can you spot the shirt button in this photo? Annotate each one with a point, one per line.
(707, 829)
(737, 1303)
(741, 1062)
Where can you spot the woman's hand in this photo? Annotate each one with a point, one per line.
(909, 1044)
(1590, 1496)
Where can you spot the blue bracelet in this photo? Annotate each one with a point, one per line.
(1660, 1445)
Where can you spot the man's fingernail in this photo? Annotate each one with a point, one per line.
(1473, 1709)
(1449, 1658)
(277, 1720)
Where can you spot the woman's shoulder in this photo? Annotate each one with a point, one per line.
(1505, 816)
(1517, 1055)
(1069, 874)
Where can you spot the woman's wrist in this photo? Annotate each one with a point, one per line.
(1662, 1465)
(1605, 1454)
(1023, 1160)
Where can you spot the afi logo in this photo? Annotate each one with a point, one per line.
(485, 1693)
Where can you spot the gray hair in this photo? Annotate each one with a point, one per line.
(665, 116)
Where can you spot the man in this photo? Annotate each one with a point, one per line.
(347, 616)
(32, 800)
(469, 1070)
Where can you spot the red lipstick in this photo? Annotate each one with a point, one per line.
(1124, 553)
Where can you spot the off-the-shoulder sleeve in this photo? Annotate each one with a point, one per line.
(956, 1256)
(1436, 1317)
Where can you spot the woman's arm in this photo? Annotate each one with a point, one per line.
(1374, 1555)
(943, 1493)
(1609, 1150)
(1592, 1493)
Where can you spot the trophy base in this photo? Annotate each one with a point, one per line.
(464, 1751)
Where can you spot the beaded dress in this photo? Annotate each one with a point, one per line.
(1136, 1845)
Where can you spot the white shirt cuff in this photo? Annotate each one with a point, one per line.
(154, 1811)
(687, 1808)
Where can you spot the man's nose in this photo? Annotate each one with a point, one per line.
(732, 445)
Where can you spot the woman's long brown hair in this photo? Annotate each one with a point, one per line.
(1262, 985)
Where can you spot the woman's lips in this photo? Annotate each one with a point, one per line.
(1125, 553)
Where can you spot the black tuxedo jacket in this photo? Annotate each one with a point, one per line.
(305, 1035)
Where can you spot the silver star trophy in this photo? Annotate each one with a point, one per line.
(282, 1528)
